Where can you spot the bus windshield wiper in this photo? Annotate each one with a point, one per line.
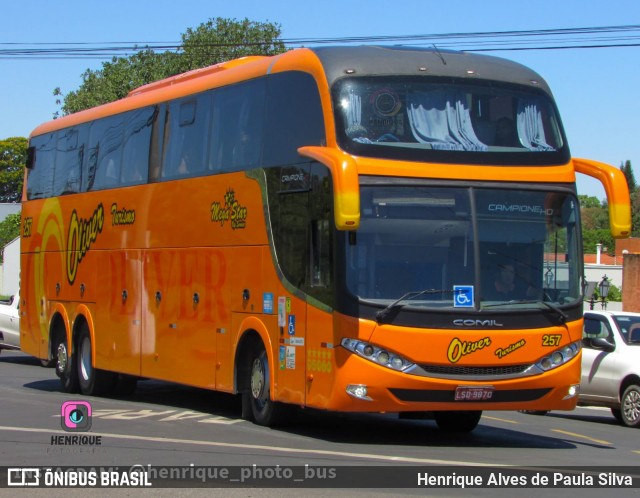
(383, 314)
(562, 316)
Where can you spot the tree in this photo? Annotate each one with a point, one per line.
(214, 41)
(13, 156)
(117, 78)
(220, 39)
(9, 229)
(635, 213)
(597, 236)
(628, 173)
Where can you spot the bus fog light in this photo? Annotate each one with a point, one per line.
(358, 391)
(572, 391)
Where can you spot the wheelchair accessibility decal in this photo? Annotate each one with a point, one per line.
(463, 296)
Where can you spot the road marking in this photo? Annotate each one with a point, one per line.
(169, 416)
(599, 441)
(486, 417)
(275, 449)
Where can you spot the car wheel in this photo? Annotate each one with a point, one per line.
(617, 414)
(457, 421)
(93, 381)
(630, 406)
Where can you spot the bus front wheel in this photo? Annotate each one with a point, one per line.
(256, 400)
(457, 421)
(93, 381)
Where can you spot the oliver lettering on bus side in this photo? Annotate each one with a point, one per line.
(82, 233)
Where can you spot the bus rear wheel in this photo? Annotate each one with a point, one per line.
(66, 366)
(256, 400)
(93, 381)
(457, 421)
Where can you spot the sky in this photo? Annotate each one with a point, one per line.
(596, 89)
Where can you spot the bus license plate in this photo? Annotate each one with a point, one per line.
(473, 393)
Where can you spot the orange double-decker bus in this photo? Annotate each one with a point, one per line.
(361, 229)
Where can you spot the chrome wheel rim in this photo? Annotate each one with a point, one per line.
(631, 406)
(62, 358)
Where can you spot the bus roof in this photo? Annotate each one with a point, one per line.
(335, 62)
(402, 60)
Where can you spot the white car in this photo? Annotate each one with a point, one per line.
(611, 364)
(10, 326)
(10, 323)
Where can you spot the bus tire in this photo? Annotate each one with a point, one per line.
(93, 381)
(66, 366)
(630, 406)
(256, 400)
(457, 421)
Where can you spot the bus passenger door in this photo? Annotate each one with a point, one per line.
(289, 201)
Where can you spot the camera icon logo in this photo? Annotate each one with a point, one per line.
(75, 416)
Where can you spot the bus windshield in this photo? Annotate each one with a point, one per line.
(507, 249)
(448, 121)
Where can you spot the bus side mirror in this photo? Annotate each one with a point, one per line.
(615, 185)
(346, 189)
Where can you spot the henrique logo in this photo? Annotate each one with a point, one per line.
(76, 416)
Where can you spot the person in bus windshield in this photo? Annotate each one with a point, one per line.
(505, 286)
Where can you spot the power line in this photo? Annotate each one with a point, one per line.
(546, 39)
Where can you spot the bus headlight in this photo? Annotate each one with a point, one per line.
(377, 355)
(559, 356)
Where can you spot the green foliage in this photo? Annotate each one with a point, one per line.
(615, 294)
(628, 173)
(9, 229)
(214, 41)
(117, 78)
(587, 201)
(595, 215)
(635, 213)
(220, 39)
(598, 236)
(13, 156)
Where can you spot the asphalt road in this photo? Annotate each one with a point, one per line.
(164, 424)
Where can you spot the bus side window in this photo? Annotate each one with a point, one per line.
(69, 159)
(105, 153)
(186, 134)
(237, 126)
(40, 175)
(293, 104)
(137, 137)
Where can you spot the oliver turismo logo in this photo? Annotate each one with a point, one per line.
(76, 416)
